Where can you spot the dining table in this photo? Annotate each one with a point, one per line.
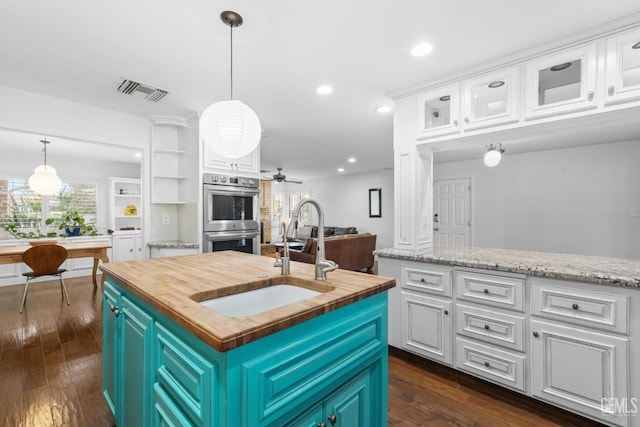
(95, 250)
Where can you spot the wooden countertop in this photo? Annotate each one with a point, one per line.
(173, 285)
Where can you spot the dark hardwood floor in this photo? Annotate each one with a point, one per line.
(51, 373)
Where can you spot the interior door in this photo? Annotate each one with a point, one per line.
(452, 212)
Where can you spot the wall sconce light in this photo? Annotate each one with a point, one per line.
(44, 180)
(493, 155)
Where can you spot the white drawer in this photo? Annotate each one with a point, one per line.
(427, 278)
(495, 365)
(583, 307)
(499, 291)
(495, 328)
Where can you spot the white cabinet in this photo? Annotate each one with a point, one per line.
(623, 67)
(439, 111)
(427, 326)
(487, 100)
(125, 204)
(491, 99)
(561, 83)
(248, 165)
(127, 246)
(579, 369)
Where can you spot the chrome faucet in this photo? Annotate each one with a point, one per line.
(323, 266)
(283, 262)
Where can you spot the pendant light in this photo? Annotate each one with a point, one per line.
(44, 180)
(230, 128)
(494, 154)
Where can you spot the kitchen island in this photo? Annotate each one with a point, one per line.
(562, 328)
(171, 360)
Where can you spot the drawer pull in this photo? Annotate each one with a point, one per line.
(574, 306)
(535, 334)
(486, 327)
(422, 280)
(487, 364)
(486, 291)
(446, 312)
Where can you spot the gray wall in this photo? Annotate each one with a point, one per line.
(575, 200)
(345, 202)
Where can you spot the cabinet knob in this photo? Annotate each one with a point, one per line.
(446, 312)
(116, 312)
(590, 95)
(322, 425)
(112, 307)
(535, 334)
(422, 280)
(611, 90)
(455, 123)
(332, 419)
(487, 364)
(486, 327)
(131, 250)
(486, 291)
(575, 306)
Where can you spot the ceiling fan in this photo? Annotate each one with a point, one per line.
(279, 177)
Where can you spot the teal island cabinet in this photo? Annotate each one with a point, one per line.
(169, 360)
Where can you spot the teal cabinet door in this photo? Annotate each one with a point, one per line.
(136, 343)
(110, 303)
(352, 405)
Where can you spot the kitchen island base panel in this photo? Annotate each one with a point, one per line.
(333, 364)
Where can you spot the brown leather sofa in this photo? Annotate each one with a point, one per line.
(350, 251)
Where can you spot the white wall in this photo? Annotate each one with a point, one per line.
(345, 202)
(575, 200)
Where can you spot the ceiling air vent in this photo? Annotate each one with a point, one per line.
(129, 87)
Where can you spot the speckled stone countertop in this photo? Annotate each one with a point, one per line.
(174, 244)
(611, 271)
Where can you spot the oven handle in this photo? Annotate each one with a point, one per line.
(230, 191)
(231, 235)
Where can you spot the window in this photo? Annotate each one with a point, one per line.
(19, 205)
(305, 212)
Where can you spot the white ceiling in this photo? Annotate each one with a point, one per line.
(82, 50)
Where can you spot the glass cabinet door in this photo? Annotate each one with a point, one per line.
(623, 67)
(491, 99)
(561, 83)
(438, 111)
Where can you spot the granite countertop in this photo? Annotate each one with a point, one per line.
(611, 271)
(174, 286)
(173, 244)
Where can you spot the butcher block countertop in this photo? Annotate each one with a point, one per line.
(174, 285)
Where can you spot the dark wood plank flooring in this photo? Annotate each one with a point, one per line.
(51, 373)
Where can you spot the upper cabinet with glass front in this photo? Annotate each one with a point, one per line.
(561, 83)
(623, 67)
(491, 99)
(439, 111)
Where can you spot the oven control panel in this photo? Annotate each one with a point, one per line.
(235, 181)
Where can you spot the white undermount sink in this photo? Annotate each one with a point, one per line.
(259, 300)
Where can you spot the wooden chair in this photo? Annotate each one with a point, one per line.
(44, 260)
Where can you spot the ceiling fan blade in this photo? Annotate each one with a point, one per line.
(293, 181)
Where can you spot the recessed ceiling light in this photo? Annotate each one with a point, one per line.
(421, 49)
(340, 169)
(324, 90)
(351, 159)
(138, 154)
(383, 109)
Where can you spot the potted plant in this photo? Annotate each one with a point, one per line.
(73, 224)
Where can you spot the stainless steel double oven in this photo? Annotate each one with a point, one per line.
(231, 213)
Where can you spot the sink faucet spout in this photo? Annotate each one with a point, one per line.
(323, 265)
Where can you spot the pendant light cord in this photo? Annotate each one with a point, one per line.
(231, 71)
